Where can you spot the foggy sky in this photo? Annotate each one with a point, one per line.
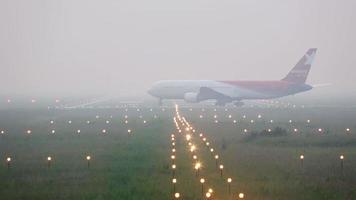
(57, 47)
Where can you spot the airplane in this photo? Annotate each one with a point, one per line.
(223, 92)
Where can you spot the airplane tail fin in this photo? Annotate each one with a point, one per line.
(301, 70)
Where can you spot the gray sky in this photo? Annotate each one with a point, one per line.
(85, 46)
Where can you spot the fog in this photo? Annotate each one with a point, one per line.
(73, 47)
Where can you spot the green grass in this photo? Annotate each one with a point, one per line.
(137, 166)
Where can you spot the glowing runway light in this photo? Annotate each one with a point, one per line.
(208, 195)
(103, 131)
(301, 158)
(347, 129)
(229, 180)
(241, 195)
(28, 131)
(129, 131)
(176, 195)
(8, 161)
(216, 160)
(2, 132)
(202, 181)
(49, 161)
(342, 157)
(88, 158)
(53, 131)
(221, 167)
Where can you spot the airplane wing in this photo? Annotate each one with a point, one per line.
(206, 93)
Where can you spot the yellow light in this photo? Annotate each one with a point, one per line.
(49, 158)
(88, 158)
(8, 159)
(210, 190)
(188, 137)
(342, 157)
(197, 166)
(176, 195)
(173, 157)
(216, 157)
(229, 180)
(221, 166)
(241, 195)
(174, 166)
(208, 195)
(301, 157)
(195, 157)
(202, 180)
(211, 150)
(174, 181)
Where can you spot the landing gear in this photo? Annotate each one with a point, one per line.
(238, 103)
(219, 103)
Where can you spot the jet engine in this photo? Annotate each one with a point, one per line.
(191, 97)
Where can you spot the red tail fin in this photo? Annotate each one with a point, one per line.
(301, 70)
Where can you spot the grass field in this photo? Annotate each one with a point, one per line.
(137, 165)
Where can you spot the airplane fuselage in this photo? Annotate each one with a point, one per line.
(237, 90)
